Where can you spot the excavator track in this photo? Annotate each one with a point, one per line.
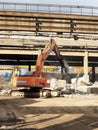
(17, 93)
(25, 93)
(35, 94)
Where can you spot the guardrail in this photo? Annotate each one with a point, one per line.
(49, 8)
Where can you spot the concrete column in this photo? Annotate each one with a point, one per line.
(29, 67)
(93, 73)
(86, 76)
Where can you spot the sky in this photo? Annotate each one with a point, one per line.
(62, 2)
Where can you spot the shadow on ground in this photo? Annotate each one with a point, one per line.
(48, 117)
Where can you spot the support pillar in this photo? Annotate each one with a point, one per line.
(93, 73)
(86, 76)
(29, 67)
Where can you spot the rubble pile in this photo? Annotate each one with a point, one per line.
(81, 86)
(76, 88)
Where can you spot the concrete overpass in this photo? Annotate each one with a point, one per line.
(45, 24)
(23, 33)
(45, 19)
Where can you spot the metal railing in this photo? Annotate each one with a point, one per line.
(49, 8)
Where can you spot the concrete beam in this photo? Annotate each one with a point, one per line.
(18, 52)
(32, 52)
(58, 23)
(32, 41)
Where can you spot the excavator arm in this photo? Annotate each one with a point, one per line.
(41, 58)
(64, 66)
(45, 53)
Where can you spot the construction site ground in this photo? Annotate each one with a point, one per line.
(62, 113)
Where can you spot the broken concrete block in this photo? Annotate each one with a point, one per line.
(92, 90)
(61, 83)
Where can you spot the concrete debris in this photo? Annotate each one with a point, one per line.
(53, 83)
(57, 84)
(61, 83)
(95, 84)
(92, 90)
(80, 86)
(77, 86)
(3, 127)
(78, 82)
(80, 96)
(5, 92)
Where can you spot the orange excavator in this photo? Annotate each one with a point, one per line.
(36, 79)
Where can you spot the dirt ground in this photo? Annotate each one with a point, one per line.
(63, 113)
